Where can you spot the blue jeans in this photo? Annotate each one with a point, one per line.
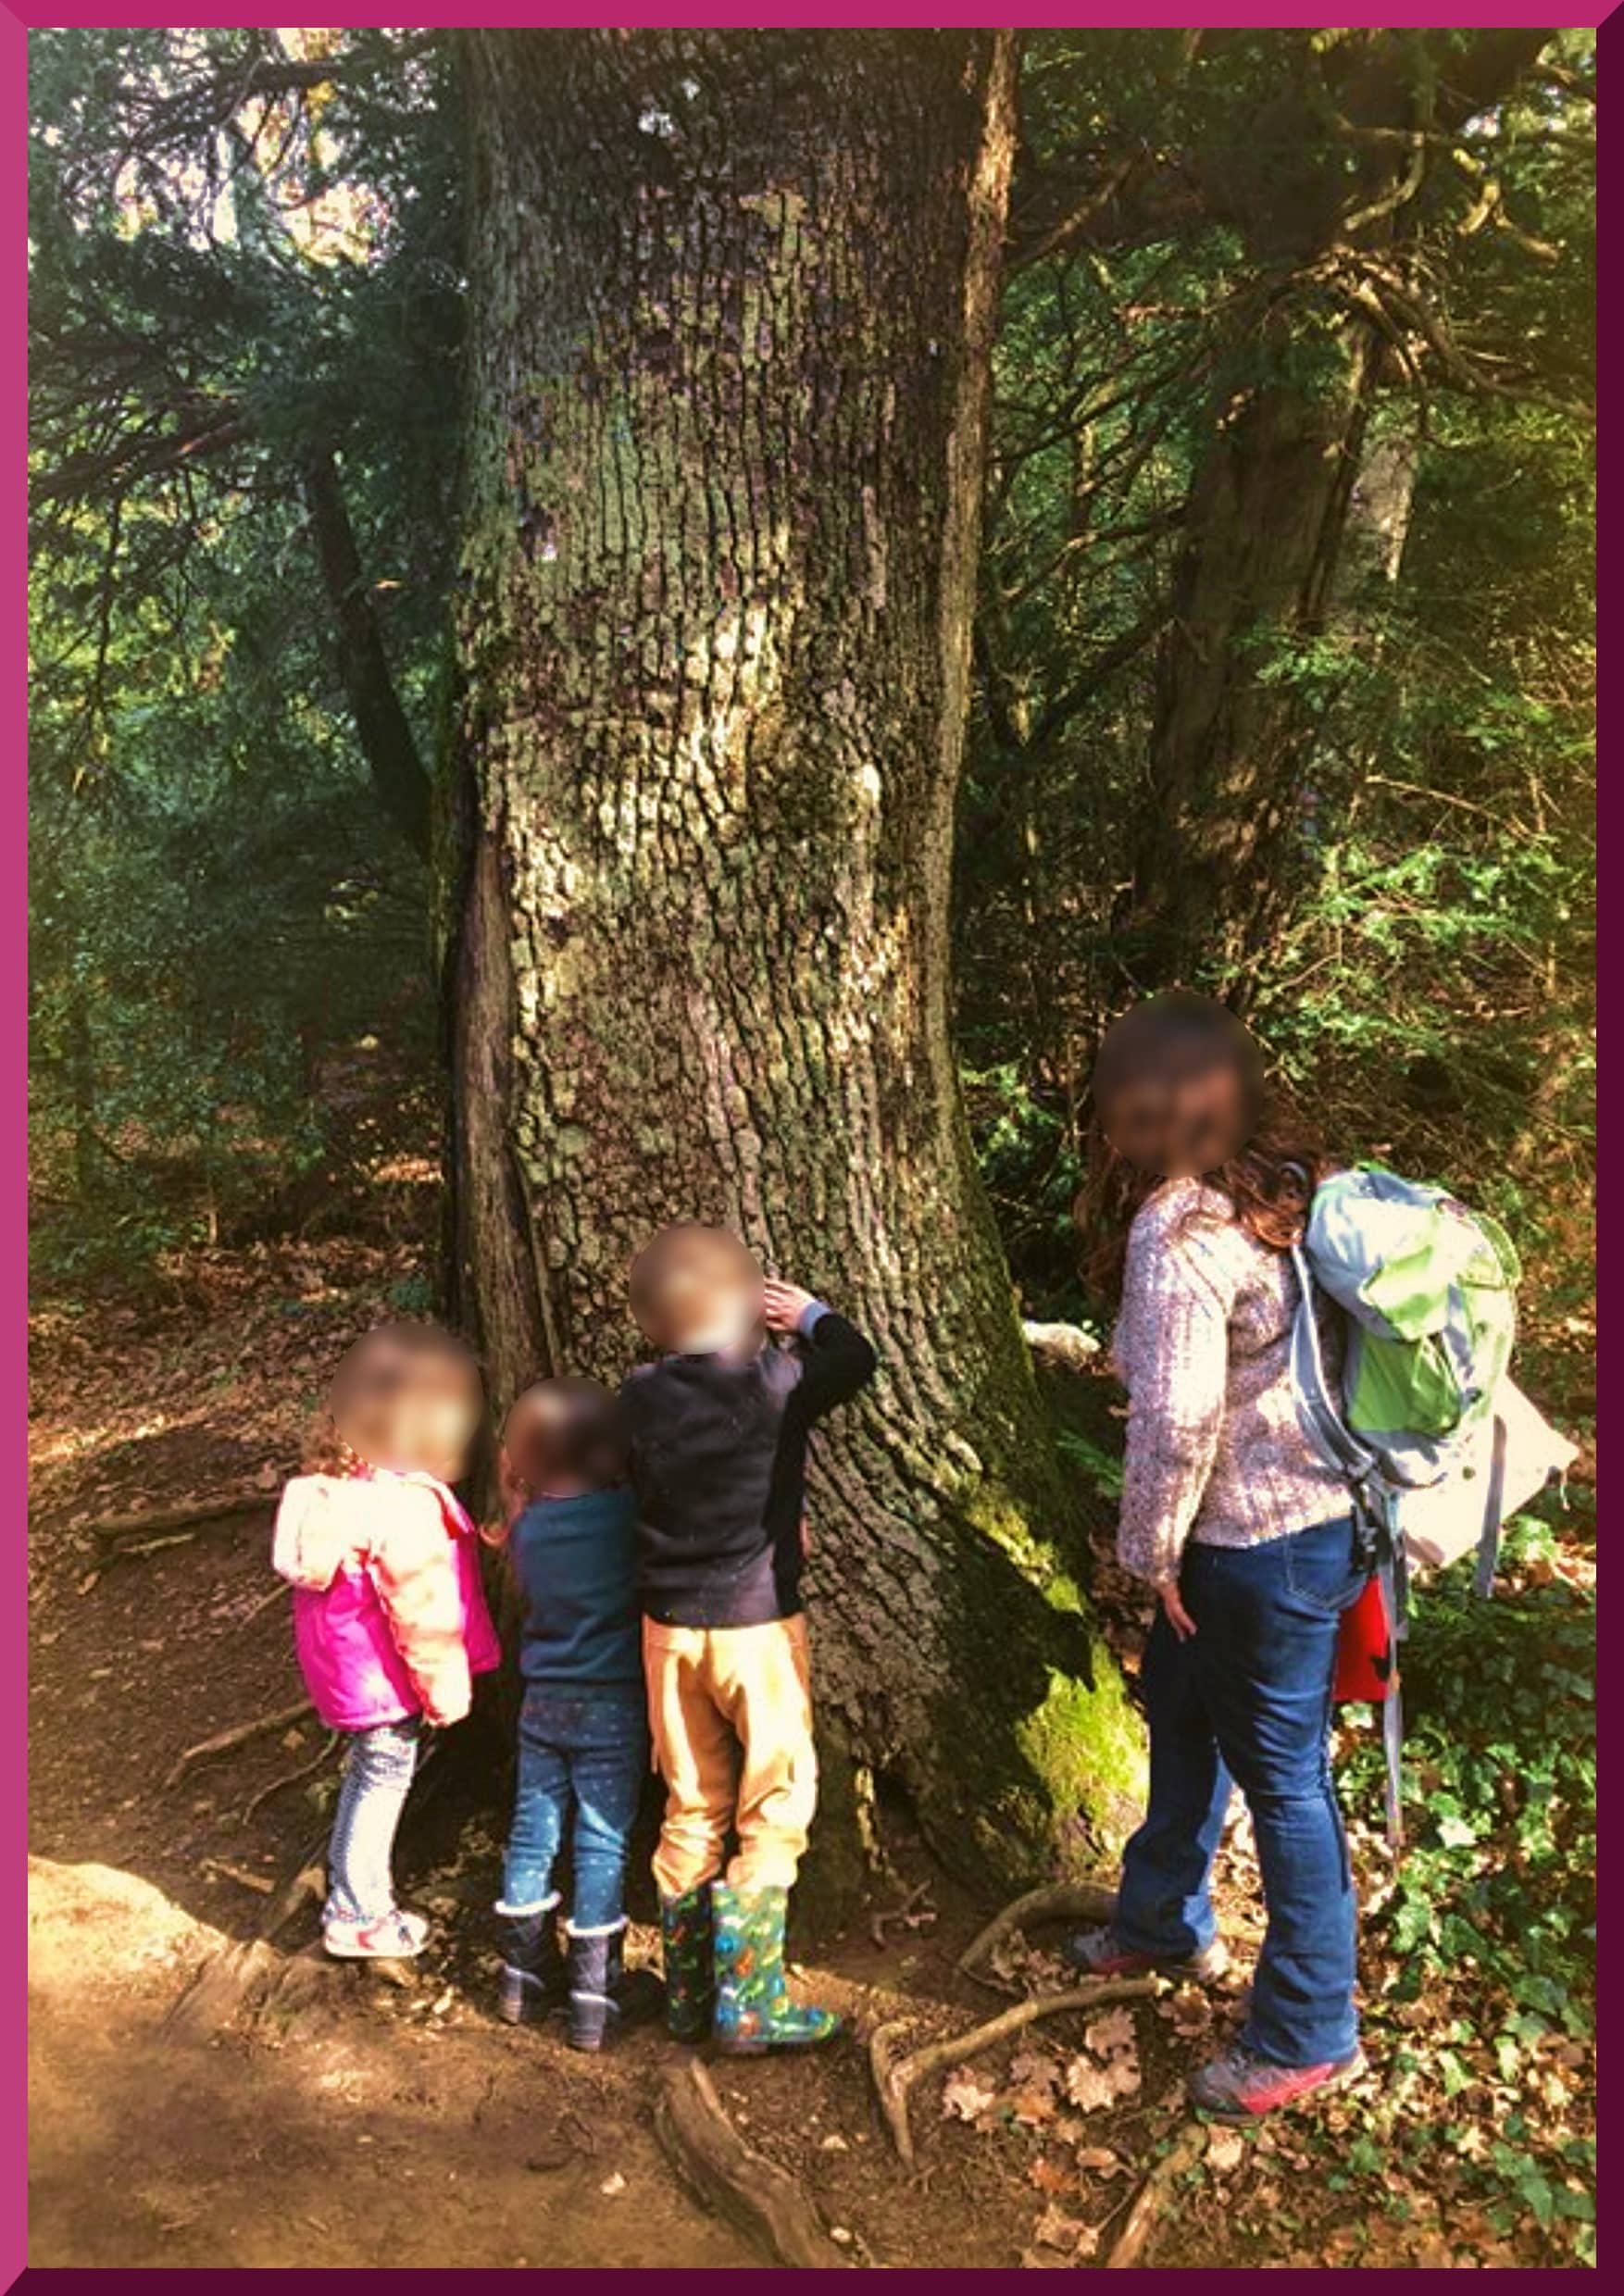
(1247, 1699)
(586, 1753)
(378, 1776)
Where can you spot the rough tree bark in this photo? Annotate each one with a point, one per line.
(733, 306)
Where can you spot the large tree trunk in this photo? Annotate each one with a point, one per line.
(732, 305)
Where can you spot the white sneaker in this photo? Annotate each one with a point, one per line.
(390, 1937)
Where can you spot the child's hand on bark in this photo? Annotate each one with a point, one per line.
(783, 1304)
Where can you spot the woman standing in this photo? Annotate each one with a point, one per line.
(1196, 1192)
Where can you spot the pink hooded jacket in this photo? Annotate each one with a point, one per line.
(389, 1618)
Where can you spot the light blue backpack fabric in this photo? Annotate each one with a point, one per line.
(1423, 1428)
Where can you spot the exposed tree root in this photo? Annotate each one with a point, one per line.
(251, 1972)
(763, 2201)
(306, 1769)
(1057, 1901)
(912, 1913)
(192, 1515)
(895, 2077)
(222, 1988)
(240, 1734)
(1154, 2196)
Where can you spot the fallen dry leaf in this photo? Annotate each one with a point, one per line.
(1088, 2086)
(1055, 2228)
(964, 2097)
(1225, 2150)
(1105, 2035)
(1091, 2086)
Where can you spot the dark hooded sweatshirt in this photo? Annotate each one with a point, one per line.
(719, 1464)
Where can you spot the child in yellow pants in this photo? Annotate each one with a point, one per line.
(717, 1433)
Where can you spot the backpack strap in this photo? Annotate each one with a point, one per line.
(1331, 1438)
(1493, 1505)
(1393, 1754)
(1340, 1449)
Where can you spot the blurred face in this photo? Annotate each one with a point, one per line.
(697, 1291)
(1176, 1085)
(564, 1434)
(408, 1398)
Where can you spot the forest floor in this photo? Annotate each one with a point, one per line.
(401, 2123)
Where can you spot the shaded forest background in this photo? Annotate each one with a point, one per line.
(1284, 680)
(248, 297)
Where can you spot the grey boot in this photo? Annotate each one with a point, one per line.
(604, 1996)
(533, 1983)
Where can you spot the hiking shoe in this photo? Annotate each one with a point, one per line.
(389, 1937)
(1240, 2085)
(1101, 1954)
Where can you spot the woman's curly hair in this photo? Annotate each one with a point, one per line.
(1269, 1183)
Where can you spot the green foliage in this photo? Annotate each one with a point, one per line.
(228, 266)
(1486, 1934)
(1424, 980)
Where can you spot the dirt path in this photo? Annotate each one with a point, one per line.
(390, 2125)
(408, 2126)
(361, 2141)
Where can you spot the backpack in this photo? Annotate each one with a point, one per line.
(1435, 1442)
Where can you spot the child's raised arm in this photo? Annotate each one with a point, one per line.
(838, 1360)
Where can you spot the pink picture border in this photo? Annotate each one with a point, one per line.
(13, 854)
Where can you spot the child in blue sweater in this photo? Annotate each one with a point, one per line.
(584, 1747)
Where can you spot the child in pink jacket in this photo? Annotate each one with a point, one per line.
(390, 1621)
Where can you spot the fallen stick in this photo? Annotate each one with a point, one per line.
(763, 2201)
(240, 1734)
(1155, 2196)
(895, 2077)
(306, 1769)
(277, 1593)
(129, 1548)
(260, 1883)
(112, 1530)
(1057, 1901)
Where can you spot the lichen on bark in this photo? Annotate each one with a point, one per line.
(732, 299)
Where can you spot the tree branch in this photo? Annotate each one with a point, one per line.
(398, 772)
(1106, 664)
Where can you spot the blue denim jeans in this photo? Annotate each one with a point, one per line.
(587, 1755)
(1246, 1700)
(378, 1776)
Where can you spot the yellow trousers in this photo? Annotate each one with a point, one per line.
(730, 1709)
